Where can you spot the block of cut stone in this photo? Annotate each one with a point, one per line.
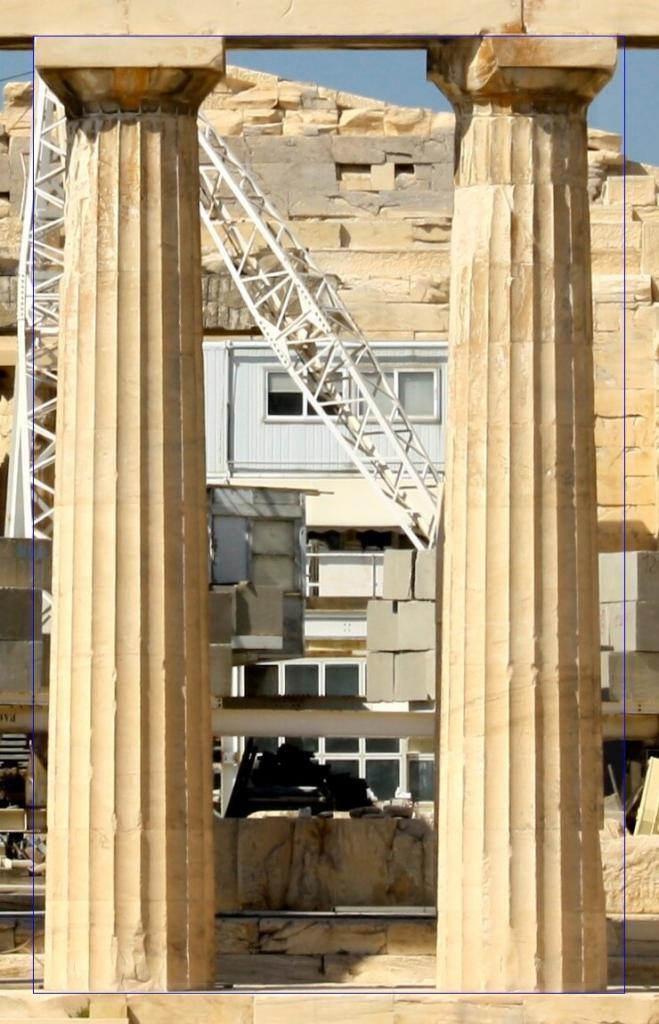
(425, 575)
(20, 613)
(220, 666)
(642, 576)
(19, 155)
(24, 563)
(414, 675)
(4, 166)
(274, 537)
(632, 626)
(221, 615)
(642, 682)
(274, 571)
(604, 625)
(398, 574)
(259, 611)
(18, 660)
(382, 625)
(417, 628)
(379, 676)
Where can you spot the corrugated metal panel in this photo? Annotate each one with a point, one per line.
(260, 445)
(216, 373)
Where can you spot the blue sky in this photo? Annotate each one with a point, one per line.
(399, 77)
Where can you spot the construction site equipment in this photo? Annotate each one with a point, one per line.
(291, 301)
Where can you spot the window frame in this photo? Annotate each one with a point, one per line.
(403, 756)
(305, 416)
(436, 415)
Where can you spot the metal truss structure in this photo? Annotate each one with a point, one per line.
(292, 302)
(32, 457)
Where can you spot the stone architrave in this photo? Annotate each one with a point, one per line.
(520, 894)
(130, 876)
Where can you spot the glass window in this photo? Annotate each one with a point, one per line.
(309, 743)
(339, 745)
(381, 397)
(340, 767)
(416, 391)
(301, 681)
(383, 777)
(378, 745)
(342, 680)
(284, 399)
(421, 775)
(261, 680)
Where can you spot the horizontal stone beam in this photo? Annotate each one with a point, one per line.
(263, 22)
(249, 721)
(299, 23)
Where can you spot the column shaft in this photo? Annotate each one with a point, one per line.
(520, 894)
(129, 881)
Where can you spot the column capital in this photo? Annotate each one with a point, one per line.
(520, 73)
(111, 75)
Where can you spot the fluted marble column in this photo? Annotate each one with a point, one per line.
(129, 898)
(520, 895)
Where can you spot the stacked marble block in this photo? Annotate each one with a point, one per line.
(402, 629)
(629, 622)
(24, 619)
(256, 603)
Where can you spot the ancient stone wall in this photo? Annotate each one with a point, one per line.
(367, 188)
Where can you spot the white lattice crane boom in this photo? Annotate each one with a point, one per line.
(292, 302)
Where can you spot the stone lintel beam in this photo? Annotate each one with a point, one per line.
(130, 74)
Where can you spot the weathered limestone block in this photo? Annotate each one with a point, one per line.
(20, 614)
(24, 563)
(220, 668)
(520, 899)
(416, 625)
(379, 676)
(291, 151)
(632, 626)
(361, 121)
(17, 112)
(634, 290)
(130, 857)
(284, 176)
(222, 305)
(425, 575)
(270, 969)
(4, 165)
(414, 675)
(8, 293)
(385, 971)
(225, 850)
(632, 865)
(221, 615)
(407, 121)
(317, 864)
(237, 936)
(398, 574)
(634, 578)
(642, 677)
(382, 624)
(313, 938)
(264, 858)
(22, 666)
(19, 158)
(639, 190)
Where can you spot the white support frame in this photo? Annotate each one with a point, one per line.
(31, 464)
(292, 302)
